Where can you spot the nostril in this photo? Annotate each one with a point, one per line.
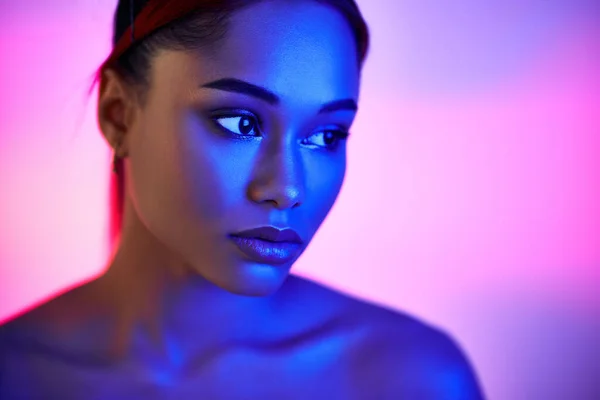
(279, 196)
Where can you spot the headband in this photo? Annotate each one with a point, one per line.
(154, 15)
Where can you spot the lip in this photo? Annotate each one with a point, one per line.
(271, 234)
(268, 245)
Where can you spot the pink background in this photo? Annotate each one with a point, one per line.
(473, 194)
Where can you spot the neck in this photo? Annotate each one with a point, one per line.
(151, 292)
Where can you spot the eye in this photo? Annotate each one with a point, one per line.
(328, 139)
(239, 125)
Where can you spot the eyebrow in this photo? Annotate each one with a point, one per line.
(239, 86)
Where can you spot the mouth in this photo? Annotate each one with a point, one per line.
(268, 245)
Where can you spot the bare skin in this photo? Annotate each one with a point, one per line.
(313, 343)
(181, 313)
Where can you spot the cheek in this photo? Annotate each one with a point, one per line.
(324, 178)
(184, 173)
(215, 171)
(212, 171)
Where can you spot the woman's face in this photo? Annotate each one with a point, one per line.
(246, 134)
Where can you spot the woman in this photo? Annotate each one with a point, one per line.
(228, 121)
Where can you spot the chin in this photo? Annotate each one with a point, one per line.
(251, 279)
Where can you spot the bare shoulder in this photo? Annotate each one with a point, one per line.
(400, 355)
(58, 306)
(409, 357)
(50, 323)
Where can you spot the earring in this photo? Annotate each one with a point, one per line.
(114, 163)
(116, 160)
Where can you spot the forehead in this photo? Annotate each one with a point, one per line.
(293, 48)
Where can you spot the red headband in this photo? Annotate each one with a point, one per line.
(154, 15)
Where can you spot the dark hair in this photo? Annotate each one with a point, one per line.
(205, 26)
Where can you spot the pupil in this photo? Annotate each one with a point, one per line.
(329, 138)
(245, 125)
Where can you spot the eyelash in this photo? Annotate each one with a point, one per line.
(338, 134)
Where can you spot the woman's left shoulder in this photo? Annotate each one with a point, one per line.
(399, 353)
(413, 357)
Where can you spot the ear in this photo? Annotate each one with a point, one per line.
(116, 110)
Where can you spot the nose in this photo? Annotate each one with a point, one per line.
(278, 178)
